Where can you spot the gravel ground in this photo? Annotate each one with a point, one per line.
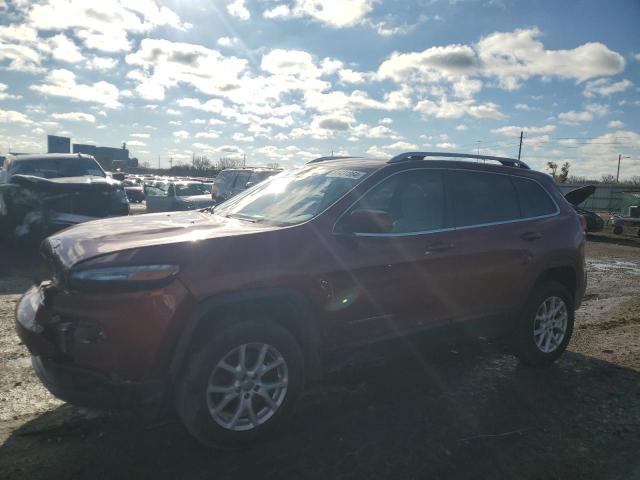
(406, 411)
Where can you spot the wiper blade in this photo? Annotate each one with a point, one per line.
(244, 219)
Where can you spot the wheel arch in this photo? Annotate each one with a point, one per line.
(287, 307)
(565, 275)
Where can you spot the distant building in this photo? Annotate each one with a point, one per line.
(57, 144)
(108, 157)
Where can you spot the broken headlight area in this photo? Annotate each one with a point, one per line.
(122, 278)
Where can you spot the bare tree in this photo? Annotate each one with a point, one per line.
(228, 162)
(274, 165)
(201, 163)
(608, 178)
(553, 168)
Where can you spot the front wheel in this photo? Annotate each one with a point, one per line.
(546, 325)
(241, 385)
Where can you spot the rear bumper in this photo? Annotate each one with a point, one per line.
(88, 388)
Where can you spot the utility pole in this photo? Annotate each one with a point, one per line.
(193, 159)
(158, 161)
(618, 174)
(520, 148)
(171, 163)
(244, 159)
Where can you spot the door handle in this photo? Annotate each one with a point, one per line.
(531, 236)
(438, 247)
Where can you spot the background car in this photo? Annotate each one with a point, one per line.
(576, 197)
(177, 195)
(40, 194)
(232, 181)
(134, 190)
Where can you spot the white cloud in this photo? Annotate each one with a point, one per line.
(208, 134)
(181, 134)
(64, 49)
(62, 83)
(573, 117)
(386, 121)
(430, 65)
(605, 87)
(461, 128)
(165, 64)
(227, 41)
(102, 25)
(20, 58)
(457, 109)
(11, 116)
(615, 124)
(238, 9)
(136, 143)
(102, 63)
(75, 117)
(140, 135)
(241, 137)
(7, 96)
(332, 13)
(516, 56)
(513, 131)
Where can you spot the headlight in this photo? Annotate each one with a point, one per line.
(127, 277)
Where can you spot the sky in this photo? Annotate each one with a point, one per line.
(285, 81)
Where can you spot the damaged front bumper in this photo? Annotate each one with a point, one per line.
(97, 357)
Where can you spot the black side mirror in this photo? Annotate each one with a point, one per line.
(367, 221)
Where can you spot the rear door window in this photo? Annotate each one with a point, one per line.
(241, 180)
(481, 198)
(534, 199)
(415, 200)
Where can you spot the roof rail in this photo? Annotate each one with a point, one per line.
(509, 162)
(323, 159)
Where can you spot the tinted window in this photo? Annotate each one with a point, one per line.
(242, 179)
(189, 189)
(534, 200)
(483, 198)
(415, 200)
(225, 178)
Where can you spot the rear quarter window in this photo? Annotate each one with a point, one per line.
(225, 178)
(534, 199)
(481, 198)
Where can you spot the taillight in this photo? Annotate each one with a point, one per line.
(583, 222)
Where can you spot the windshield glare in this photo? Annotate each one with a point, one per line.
(58, 167)
(294, 196)
(189, 189)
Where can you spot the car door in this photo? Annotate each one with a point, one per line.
(400, 280)
(157, 197)
(489, 244)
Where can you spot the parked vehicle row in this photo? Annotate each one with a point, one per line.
(227, 313)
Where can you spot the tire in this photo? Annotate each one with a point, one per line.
(203, 366)
(617, 230)
(543, 348)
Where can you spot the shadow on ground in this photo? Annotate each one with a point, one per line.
(626, 240)
(457, 412)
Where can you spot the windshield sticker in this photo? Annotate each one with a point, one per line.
(350, 174)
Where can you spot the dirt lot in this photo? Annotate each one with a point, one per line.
(447, 411)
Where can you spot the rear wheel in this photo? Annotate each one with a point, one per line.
(241, 385)
(545, 328)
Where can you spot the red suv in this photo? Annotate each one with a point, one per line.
(228, 311)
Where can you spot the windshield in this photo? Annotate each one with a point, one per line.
(58, 167)
(293, 196)
(189, 189)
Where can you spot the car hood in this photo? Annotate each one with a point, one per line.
(579, 195)
(102, 237)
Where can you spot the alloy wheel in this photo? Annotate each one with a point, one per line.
(247, 387)
(550, 324)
